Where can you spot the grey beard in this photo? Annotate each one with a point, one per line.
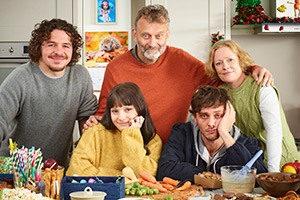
(152, 56)
(155, 56)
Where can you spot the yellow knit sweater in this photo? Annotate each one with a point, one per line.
(102, 152)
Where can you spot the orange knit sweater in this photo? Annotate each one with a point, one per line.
(168, 85)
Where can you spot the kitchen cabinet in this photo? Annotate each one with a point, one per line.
(17, 18)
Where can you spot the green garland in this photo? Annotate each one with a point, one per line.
(245, 3)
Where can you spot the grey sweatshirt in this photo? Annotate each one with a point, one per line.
(39, 111)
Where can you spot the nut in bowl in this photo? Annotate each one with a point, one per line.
(277, 184)
(234, 182)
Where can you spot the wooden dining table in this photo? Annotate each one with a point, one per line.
(195, 193)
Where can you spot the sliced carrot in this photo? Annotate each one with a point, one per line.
(185, 186)
(170, 181)
(153, 185)
(146, 176)
(192, 193)
(168, 186)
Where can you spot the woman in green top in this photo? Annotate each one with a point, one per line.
(258, 110)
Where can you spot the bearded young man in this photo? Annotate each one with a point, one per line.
(167, 76)
(209, 142)
(41, 100)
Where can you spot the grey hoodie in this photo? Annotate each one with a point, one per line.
(202, 150)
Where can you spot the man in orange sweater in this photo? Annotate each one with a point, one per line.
(167, 76)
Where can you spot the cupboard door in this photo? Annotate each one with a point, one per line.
(17, 18)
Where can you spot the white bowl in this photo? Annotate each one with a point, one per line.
(88, 194)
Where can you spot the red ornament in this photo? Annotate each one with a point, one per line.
(280, 28)
(266, 27)
(216, 37)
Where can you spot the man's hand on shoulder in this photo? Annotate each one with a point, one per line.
(93, 119)
(261, 73)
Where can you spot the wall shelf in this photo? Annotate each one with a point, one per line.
(266, 29)
(277, 28)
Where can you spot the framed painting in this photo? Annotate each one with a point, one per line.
(106, 11)
(103, 47)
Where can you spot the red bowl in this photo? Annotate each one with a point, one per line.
(278, 188)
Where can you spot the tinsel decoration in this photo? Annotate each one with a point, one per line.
(251, 12)
(216, 37)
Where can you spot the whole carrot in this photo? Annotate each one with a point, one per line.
(185, 186)
(153, 185)
(170, 181)
(158, 183)
(168, 186)
(146, 176)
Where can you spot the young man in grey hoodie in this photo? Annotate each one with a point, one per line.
(209, 142)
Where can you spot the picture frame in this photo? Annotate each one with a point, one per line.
(106, 12)
(100, 49)
(103, 47)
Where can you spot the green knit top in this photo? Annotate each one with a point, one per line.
(245, 100)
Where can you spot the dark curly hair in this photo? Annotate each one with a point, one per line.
(42, 32)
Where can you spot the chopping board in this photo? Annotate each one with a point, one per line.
(177, 195)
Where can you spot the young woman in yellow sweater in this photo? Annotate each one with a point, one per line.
(125, 137)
